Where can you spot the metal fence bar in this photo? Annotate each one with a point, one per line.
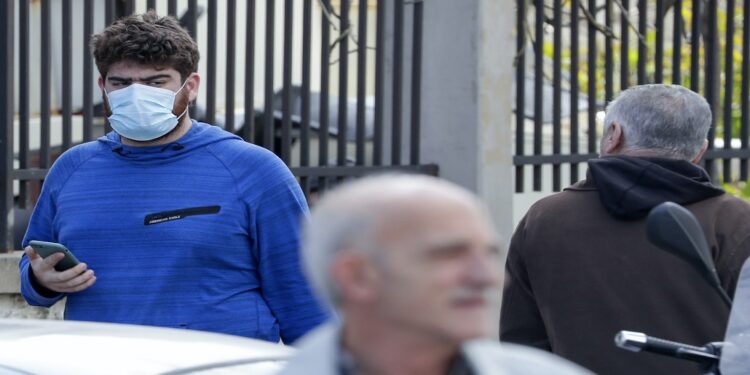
(286, 100)
(520, 63)
(67, 75)
(30, 174)
(23, 98)
(574, 87)
(7, 25)
(377, 142)
(398, 74)
(230, 65)
(642, 48)
(109, 11)
(325, 61)
(557, 92)
(659, 48)
(129, 7)
(358, 171)
(745, 98)
(45, 64)
(551, 159)
(720, 153)
(416, 83)
(172, 8)
(210, 115)
(695, 41)
(268, 116)
(109, 17)
(248, 128)
(538, 87)
(592, 80)
(624, 40)
(343, 46)
(361, 82)
(712, 77)
(88, 71)
(677, 41)
(728, 88)
(305, 96)
(608, 55)
(193, 19)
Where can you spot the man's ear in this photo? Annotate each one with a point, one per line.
(354, 276)
(101, 83)
(613, 140)
(192, 85)
(697, 159)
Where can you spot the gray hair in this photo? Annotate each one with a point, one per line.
(351, 216)
(669, 120)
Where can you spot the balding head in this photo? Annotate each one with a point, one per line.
(357, 215)
(412, 250)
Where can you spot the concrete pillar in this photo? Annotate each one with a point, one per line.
(467, 95)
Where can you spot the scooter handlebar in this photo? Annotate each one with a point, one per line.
(638, 341)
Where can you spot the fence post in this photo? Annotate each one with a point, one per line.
(7, 17)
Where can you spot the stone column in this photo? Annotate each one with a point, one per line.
(467, 97)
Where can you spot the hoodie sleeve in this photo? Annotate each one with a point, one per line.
(278, 217)
(41, 228)
(520, 319)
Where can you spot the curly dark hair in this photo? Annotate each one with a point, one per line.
(146, 39)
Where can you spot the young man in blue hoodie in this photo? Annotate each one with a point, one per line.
(185, 225)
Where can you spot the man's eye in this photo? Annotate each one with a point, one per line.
(157, 83)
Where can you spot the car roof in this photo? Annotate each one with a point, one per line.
(68, 347)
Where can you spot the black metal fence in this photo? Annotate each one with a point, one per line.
(573, 56)
(304, 126)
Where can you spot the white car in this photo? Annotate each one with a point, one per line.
(81, 348)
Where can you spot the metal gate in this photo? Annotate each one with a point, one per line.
(325, 132)
(573, 55)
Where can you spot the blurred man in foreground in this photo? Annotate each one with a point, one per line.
(411, 263)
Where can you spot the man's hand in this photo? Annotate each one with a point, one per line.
(72, 280)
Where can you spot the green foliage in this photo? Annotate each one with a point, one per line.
(738, 189)
(631, 60)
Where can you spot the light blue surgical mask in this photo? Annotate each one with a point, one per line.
(143, 113)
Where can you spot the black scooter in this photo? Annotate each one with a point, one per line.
(673, 228)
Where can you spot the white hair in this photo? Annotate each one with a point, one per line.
(669, 120)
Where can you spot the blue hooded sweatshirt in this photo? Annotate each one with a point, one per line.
(201, 233)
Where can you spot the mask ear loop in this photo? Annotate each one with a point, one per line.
(183, 112)
(183, 85)
(188, 105)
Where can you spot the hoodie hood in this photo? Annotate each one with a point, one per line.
(629, 187)
(199, 135)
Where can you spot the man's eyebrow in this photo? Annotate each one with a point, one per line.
(156, 76)
(119, 79)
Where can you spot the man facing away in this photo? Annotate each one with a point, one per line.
(186, 225)
(411, 263)
(580, 267)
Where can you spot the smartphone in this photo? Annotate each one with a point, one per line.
(45, 249)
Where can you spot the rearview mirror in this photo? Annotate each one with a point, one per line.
(673, 228)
